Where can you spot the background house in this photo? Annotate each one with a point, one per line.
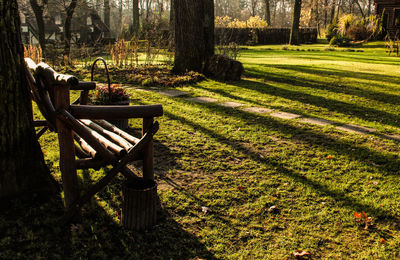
(87, 26)
(390, 10)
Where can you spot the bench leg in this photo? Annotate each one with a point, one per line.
(67, 150)
(148, 169)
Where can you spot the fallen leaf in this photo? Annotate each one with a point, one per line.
(330, 157)
(241, 188)
(205, 210)
(301, 254)
(357, 215)
(273, 209)
(382, 241)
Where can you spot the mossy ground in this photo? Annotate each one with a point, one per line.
(238, 165)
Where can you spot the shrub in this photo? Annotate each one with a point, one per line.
(252, 22)
(332, 30)
(340, 40)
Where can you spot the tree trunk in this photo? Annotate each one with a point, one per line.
(294, 33)
(312, 12)
(360, 8)
(38, 11)
(325, 13)
(107, 13)
(171, 25)
(120, 17)
(22, 166)
(369, 8)
(267, 14)
(135, 17)
(194, 34)
(333, 8)
(67, 30)
(209, 20)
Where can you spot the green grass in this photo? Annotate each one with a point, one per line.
(239, 164)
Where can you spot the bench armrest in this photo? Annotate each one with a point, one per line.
(83, 85)
(115, 112)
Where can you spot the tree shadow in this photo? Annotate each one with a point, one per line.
(365, 113)
(362, 154)
(105, 238)
(30, 228)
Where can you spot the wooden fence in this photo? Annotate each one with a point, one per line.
(249, 36)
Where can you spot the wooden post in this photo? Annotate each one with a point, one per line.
(67, 148)
(148, 169)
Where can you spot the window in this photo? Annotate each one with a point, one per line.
(23, 18)
(57, 19)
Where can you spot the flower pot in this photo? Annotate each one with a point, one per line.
(120, 123)
(139, 206)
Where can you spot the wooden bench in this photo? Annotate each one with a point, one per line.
(86, 140)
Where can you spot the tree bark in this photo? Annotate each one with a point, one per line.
(135, 17)
(67, 29)
(267, 12)
(22, 166)
(194, 34)
(209, 25)
(294, 33)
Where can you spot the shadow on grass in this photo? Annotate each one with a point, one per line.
(332, 72)
(365, 113)
(106, 238)
(362, 154)
(31, 228)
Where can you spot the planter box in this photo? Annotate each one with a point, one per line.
(139, 206)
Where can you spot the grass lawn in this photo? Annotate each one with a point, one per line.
(240, 185)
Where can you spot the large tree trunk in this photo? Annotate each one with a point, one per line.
(38, 11)
(67, 29)
(135, 17)
(194, 34)
(267, 12)
(209, 25)
(294, 33)
(22, 167)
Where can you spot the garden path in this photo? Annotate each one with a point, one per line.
(351, 128)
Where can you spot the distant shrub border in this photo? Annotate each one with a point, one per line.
(144, 76)
(254, 36)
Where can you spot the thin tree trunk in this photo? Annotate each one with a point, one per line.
(359, 7)
(107, 13)
(294, 33)
(333, 8)
(120, 16)
(369, 7)
(38, 11)
(22, 165)
(312, 11)
(325, 13)
(67, 30)
(267, 12)
(171, 25)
